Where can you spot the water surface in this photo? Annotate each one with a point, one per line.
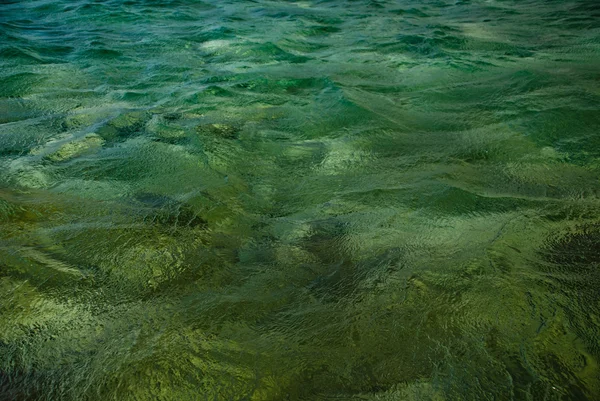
(311, 200)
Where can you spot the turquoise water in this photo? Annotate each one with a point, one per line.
(311, 200)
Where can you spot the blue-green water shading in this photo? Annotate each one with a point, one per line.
(311, 200)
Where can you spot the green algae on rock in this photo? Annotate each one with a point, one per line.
(76, 148)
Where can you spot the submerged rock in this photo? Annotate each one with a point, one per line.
(163, 129)
(125, 125)
(73, 149)
(83, 119)
(31, 177)
(174, 116)
(219, 130)
(576, 251)
(167, 211)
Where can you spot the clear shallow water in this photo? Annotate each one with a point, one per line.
(269, 200)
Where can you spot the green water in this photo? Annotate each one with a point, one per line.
(311, 200)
